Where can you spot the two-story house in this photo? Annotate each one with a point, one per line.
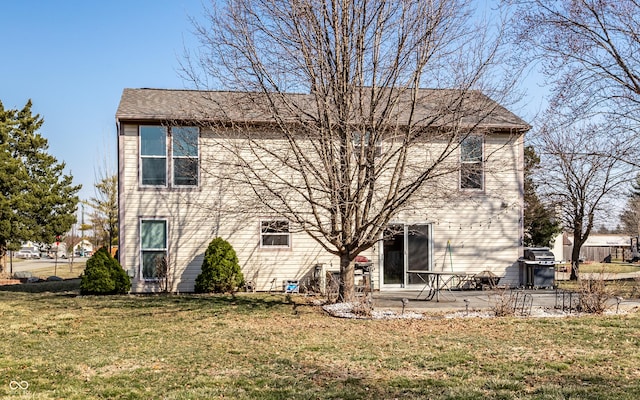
(177, 191)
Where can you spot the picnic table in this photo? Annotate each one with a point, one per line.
(437, 283)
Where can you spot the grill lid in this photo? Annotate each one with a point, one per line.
(539, 254)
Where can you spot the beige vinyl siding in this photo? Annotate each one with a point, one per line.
(194, 219)
(481, 227)
(484, 229)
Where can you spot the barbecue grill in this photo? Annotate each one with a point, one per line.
(537, 268)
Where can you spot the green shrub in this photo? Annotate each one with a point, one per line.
(220, 269)
(104, 275)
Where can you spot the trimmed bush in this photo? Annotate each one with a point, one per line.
(220, 269)
(104, 275)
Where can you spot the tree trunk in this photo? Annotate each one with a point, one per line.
(575, 258)
(3, 258)
(347, 287)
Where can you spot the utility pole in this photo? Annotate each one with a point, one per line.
(82, 227)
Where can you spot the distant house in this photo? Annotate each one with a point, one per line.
(601, 248)
(58, 249)
(170, 209)
(84, 247)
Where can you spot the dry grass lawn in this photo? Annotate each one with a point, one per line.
(615, 267)
(276, 347)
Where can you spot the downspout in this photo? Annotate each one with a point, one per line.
(120, 185)
(521, 191)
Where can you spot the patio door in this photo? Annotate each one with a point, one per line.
(405, 248)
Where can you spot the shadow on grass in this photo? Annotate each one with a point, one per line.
(170, 303)
(238, 303)
(65, 286)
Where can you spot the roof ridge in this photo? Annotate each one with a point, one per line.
(164, 103)
(295, 93)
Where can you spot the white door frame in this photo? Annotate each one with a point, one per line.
(405, 257)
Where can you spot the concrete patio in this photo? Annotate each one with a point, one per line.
(485, 300)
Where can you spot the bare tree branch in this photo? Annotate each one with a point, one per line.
(366, 141)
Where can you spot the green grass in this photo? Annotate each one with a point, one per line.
(276, 347)
(615, 267)
(67, 285)
(627, 288)
(64, 270)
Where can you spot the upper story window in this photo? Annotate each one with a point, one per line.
(156, 142)
(471, 163)
(153, 155)
(361, 140)
(275, 234)
(185, 155)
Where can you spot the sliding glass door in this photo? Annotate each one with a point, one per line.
(405, 248)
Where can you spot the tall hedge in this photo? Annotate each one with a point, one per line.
(104, 275)
(220, 269)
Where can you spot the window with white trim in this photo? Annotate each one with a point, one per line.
(275, 234)
(471, 163)
(153, 155)
(185, 155)
(362, 140)
(153, 247)
(156, 142)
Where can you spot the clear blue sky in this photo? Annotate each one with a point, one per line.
(72, 58)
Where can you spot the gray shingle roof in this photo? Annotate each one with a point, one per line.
(221, 106)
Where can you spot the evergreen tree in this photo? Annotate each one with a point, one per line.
(104, 275)
(635, 188)
(37, 200)
(220, 269)
(540, 224)
(630, 216)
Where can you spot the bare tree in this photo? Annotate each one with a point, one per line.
(582, 176)
(104, 217)
(71, 239)
(366, 141)
(104, 204)
(589, 50)
(164, 275)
